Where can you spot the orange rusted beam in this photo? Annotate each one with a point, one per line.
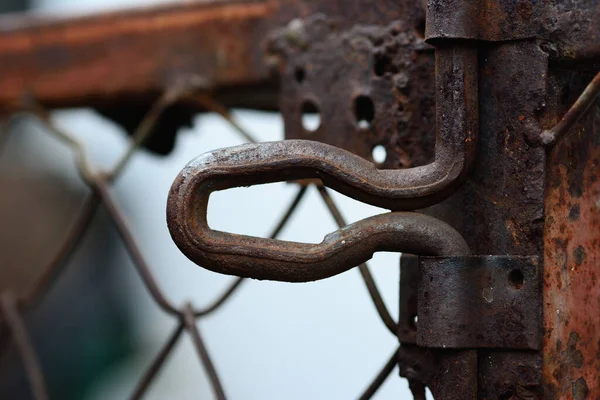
(99, 59)
(86, 60)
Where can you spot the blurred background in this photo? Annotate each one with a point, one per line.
(97, 330)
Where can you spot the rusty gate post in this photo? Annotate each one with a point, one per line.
(524, 200)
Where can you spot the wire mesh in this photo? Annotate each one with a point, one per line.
(13, 307)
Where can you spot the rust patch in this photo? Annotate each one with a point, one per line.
(570, 353)
(580, 390)
(574, 213)
(579, 255)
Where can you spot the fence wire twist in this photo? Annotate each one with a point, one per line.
(12, 307)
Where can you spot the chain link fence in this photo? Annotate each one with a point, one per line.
(15, 306)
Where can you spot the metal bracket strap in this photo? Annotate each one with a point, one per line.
(480, 302)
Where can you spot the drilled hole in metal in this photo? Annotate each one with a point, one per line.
(379, 154)
(364, 111)
(311, 116)
(299, 74)
(516, 278)
(413, 322)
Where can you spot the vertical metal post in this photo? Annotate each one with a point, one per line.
(572, 253)
(456, 103)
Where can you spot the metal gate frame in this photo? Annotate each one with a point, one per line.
(532, 187)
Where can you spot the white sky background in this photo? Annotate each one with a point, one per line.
(321, 340)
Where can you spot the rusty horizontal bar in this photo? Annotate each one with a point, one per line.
(119, 56)
(99, 58)
(126, 55)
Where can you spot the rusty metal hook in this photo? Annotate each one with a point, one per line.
(261, 258)
(408, 189)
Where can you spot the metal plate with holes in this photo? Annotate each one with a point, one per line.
(369, 90)
(480, 302)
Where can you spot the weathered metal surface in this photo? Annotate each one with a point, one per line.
(451, 374)
(572, 252)
(574, 31)
(510, 375)
(503, 196)
(97, 59)
(500, 209)
(386, 96)
(501, 374)
(491, 20)
(455, 375)
(480, 302)
(568, 29)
